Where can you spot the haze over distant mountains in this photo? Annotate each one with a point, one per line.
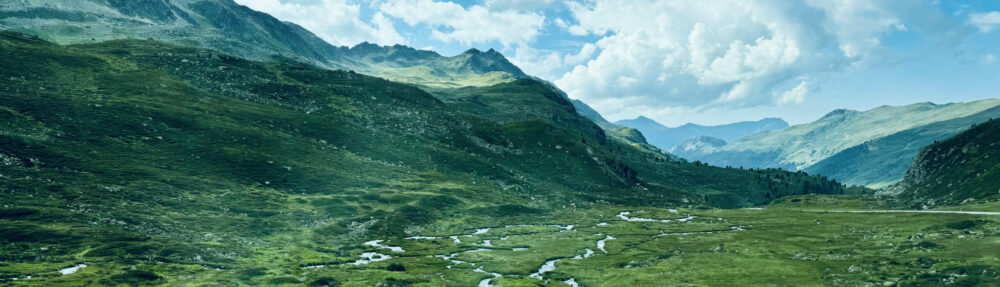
(666, 137)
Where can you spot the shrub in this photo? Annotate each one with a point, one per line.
(396, 267)
(324, 281)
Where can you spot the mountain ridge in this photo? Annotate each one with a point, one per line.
(666, 137)
(883, 161)
(228, 27)
(800, 146)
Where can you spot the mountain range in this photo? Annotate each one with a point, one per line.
(879, 162)
(198, 142)
(667, 138)
(872, 147)
(230, 28)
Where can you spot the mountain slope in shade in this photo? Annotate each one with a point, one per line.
(666, 137)
(801, 146)
(883, 161)
(226, 26)
(962, 169)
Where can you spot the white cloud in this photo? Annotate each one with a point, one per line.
(725, 54)
(985, 21)
(336, 21)
(477, 24)
(550, 65)
(796, 95)
(858, 24)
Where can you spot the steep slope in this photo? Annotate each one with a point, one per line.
(585, 110)
(666, 137)
(801, 146)
(622, 133)
(147, 161)
(961, 169)
(883, 161)
(226, 26)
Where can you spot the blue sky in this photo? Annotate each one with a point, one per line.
(707, 62)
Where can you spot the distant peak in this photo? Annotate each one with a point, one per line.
(491, 52)
(839, 112)
(642, 118)
(366, 44)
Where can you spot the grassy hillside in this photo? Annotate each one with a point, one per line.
(883, 161)
(801, 146)
(152, 162)
(960, 170)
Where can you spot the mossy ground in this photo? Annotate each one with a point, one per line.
(782, 244)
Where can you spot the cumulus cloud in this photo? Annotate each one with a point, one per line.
(985, 21)
(550, 65)
(336, 21)
(477, 24)
(724, 54)
(796, 95)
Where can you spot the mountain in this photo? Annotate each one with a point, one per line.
(959, 170)
(801, 146)
(228, 27)
(700, 143)
(666, 138)
(620, 132)
(585, 110)
(404, 64)
(883, 161)
(147, 161)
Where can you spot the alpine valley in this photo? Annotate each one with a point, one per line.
(202, 143)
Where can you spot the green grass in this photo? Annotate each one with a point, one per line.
(158, 164)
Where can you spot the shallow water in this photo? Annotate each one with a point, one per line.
(71, 270)
(486, 282)
(600, 243)
(369, 257)
(423, 237)
(378, 243)
(587, 254)
(548, 266)
(624, 215)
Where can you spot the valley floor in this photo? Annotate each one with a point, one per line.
(790, 243)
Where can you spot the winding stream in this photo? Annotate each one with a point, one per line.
(548, 266)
